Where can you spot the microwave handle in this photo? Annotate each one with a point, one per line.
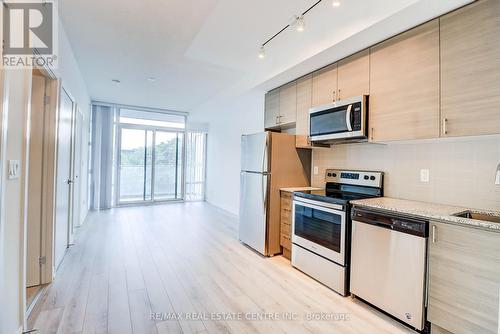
(348, 117)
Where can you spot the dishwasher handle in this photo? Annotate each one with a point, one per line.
(414, 226)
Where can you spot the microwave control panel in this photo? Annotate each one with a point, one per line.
(356, 116)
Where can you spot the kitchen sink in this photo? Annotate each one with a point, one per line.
(478, 216)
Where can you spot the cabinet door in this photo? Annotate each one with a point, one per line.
(464, 279)
(324, 85)
(304, 94)
(272, 108)
(354, 75)
(470, 70)
(288, 103)
(404, 86)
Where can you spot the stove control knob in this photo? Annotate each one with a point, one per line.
(366, 177)
(329, 174)
(372, 178)
(334, 174)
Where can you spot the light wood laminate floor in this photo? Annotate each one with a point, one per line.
(186, 258)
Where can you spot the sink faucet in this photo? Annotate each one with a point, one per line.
(497, 178)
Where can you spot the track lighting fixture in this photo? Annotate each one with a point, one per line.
(298, 23)
(262, 53)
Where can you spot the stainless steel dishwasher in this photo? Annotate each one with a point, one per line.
(388, 263)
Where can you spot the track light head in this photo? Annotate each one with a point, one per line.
(262, 53)
(299, 23)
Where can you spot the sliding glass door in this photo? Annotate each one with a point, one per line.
(168, 165)
(150, 165)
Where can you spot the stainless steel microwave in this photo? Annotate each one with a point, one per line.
(344, 120)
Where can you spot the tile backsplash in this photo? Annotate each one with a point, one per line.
(461, 171)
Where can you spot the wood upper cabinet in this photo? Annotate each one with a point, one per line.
(354, 75)
(464, 279)
(324, 85)
(304, 95)
(404, 86)
(470, 70)
(288, 103)
(272, 108)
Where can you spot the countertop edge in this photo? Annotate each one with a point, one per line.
(294, 189)
(447, 219)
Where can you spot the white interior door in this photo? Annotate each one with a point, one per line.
(63, 178)
(35, 190)
(77, 168)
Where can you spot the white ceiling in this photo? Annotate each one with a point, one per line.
(199, 50)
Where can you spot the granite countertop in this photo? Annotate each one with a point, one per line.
(291, 190)
(439, 212)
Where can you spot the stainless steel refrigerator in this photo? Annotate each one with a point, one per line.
(269, 161)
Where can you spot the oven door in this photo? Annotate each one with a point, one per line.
(321, 228)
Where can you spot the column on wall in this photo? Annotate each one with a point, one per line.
(102, 156)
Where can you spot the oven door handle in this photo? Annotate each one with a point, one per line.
(348, 117)
(320, 208)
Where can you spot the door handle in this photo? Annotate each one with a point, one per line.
(264, 193)
(68, 181)
(348, 117)
(445, 123)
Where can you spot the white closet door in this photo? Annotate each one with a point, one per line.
(63, 180)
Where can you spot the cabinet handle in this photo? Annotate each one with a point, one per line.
(334, 95)
(371, 135)
(445, 123)
(338, 95)
(433, 234)
(277, 119)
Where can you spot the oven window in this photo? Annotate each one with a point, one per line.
(329, 121)
(320, 227)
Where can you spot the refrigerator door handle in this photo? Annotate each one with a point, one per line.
(264, 157)
(264, 192)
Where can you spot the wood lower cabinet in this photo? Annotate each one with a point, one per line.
(464, 279)
(286, 223)
(404, 86)
(470, 70)
(272, 108)
(354, 75)
(324, 86)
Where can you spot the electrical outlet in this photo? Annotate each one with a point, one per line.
(316, 170)
(424, 175)
(14, 169)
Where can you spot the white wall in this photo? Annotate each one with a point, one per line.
(19, 83)
(227, 122)
(11, 294)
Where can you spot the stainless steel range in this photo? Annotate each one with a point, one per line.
(321, 225)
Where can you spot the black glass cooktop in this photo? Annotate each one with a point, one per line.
(340, 195)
